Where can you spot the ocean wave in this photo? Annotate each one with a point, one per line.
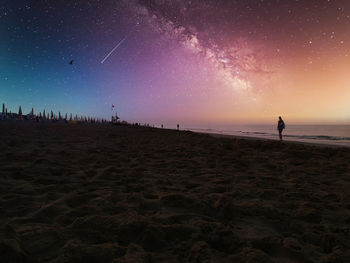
(308, 137)
(319, 137)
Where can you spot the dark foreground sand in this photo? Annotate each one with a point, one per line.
(75, 193)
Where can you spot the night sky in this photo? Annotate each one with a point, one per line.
(199, 62)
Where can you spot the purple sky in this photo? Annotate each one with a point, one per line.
(195, 62)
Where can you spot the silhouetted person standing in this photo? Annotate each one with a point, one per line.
(178, 126)
(280, 126)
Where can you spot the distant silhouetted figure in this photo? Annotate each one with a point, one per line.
(71, 62)
(178, 126)
(162, 126)
(280, 126)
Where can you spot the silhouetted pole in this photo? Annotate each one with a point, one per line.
(20, 112)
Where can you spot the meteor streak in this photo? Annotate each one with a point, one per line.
(110, 53)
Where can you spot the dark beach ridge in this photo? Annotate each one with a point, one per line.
(102, 193)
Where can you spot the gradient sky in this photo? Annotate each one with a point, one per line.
(199, 62)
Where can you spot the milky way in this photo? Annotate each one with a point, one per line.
(193, 61)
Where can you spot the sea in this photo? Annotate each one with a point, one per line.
(318, 134)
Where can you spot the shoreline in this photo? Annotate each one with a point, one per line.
(220, 135)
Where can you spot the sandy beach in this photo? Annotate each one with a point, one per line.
(102, 193)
